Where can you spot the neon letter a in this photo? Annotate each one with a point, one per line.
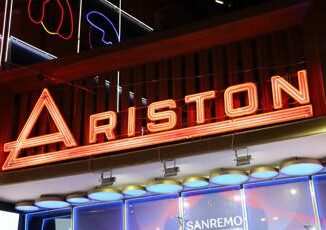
(64, 135)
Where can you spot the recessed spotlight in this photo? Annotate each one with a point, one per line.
(77, 198)
(228, 177)
(195, 182)
(104, 193)
(164, 186)
(51, 202)
(301, 167)
(26, 206)
(219, 2)
(134, 190)
(264, 172)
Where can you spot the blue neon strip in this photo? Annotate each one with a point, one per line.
(89, 20)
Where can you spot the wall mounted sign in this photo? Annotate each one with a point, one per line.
(162, 120)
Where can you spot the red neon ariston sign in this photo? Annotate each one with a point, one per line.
(162, 121)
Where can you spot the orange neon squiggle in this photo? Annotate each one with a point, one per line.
(62, 16)
(107, 129)
(251, 108)
(301, 95)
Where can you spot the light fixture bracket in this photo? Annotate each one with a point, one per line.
(170, 168)
(242, 157)
(107, 181)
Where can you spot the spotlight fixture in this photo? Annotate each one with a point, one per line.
(242, 157)
(195, 182)
(264, 172)
(134, 190)
(164, 186)
(105, 193)
(77, 198)
(172, 170)
(107, 181)
(301, 167)
(51, 202)
(228, 177)
(26, 206)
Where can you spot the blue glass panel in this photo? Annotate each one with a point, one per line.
(49, 220)
(320, 190)
(215, 208)
(280, 204)
(153, 213)
(103, 216)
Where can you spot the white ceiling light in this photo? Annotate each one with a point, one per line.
(195, 182)
(301, 167)
(51, 202)
(134, 190)
(264, 172)
(105, 193)
(164, 186)
(77, 198)
(26, 206)
(228, 177)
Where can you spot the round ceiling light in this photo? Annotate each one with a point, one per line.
(228, 177)
(264, 172)
(105, 193)
(196, 182)
(164, 186)
(134, 190)
(301, 167)
(51, 202)
(26, 206)
(77, 198)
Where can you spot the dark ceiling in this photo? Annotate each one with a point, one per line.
(161, 15)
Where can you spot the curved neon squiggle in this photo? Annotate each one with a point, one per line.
(107, 42)
(57, 32)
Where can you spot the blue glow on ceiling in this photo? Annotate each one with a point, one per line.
(134, 192)
(229, 179)
(78, 200)
(264, 174)
(52, 204)
(27, 208)
(164, 188)
(302, 169)
(196, 184)
(105, 196)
